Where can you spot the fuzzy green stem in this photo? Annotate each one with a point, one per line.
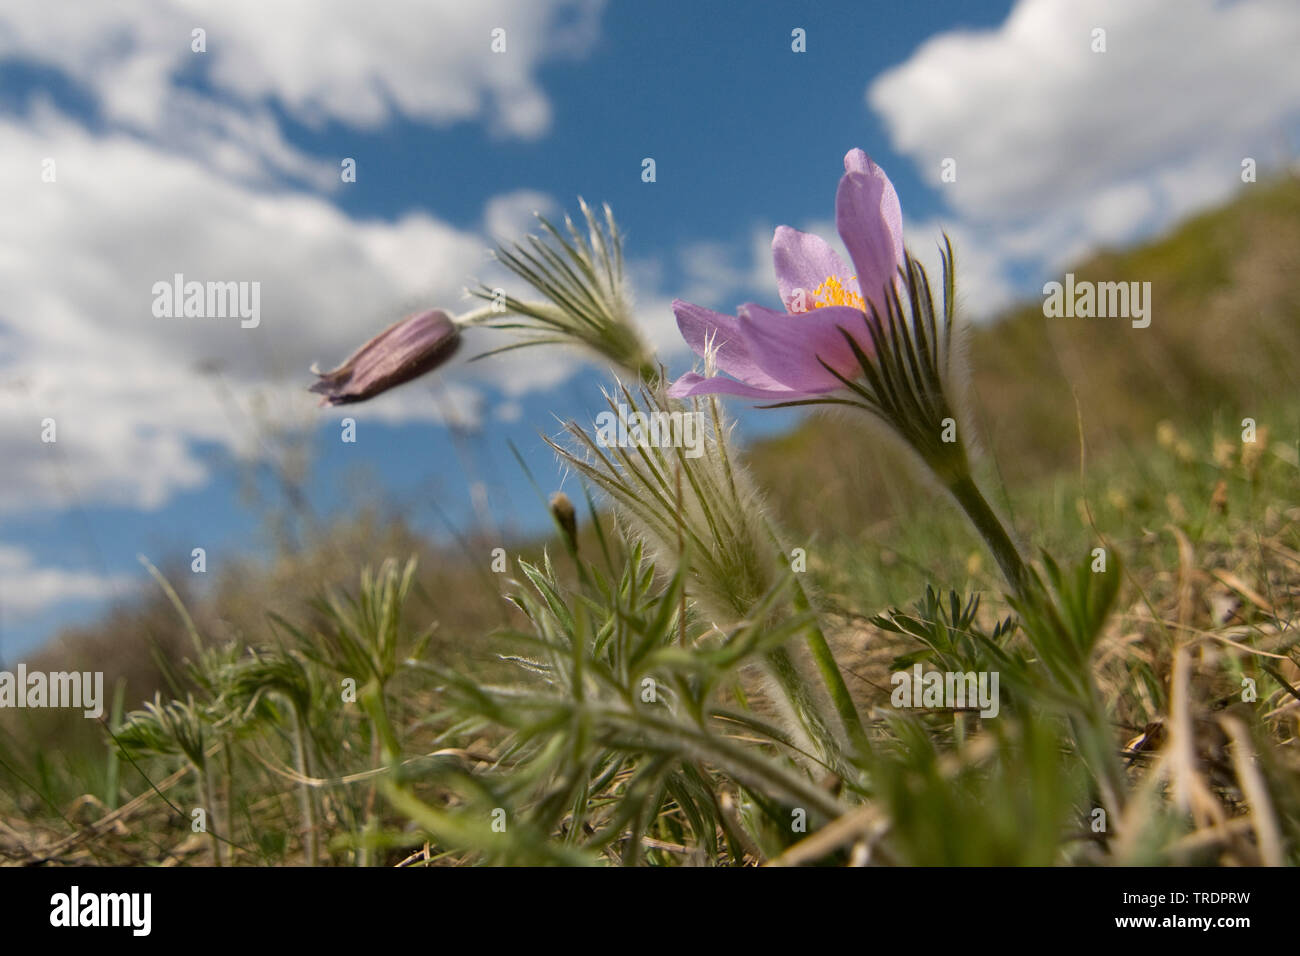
(384, 751)
(305, 797)
(474, 316)
(829, 670)
(205, 786)
(112, 786)
(228, 788)
(990, 527)
(804, 705)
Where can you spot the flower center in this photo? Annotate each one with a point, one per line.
(833, 292)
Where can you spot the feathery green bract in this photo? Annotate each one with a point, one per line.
(616, 742)
(361, 635)
(588, 301)
(700, 512)
(176, 727)
(950, 634)
(702, 506)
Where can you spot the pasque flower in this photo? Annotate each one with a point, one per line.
(874, 338)
(780, 355)
(403, 351)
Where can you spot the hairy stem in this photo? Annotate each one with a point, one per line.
(306, 799)
(804, 705)
(993, 532)
(829, 669)
(209, 794)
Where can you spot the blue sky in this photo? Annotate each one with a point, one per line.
(224, 165)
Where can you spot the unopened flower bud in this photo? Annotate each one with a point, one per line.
(566, 517)
(403, 351)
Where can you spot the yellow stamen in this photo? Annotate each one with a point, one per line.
(833, 292)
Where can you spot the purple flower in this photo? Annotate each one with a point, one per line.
(778, 355)
(403, 351)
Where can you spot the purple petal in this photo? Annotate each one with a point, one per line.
(788, 348)
(870, 222)
(857, 161)
(704, 329)
(804, 261)
(693, 384)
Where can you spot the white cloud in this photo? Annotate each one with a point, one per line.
(1060, 149)
(319, 60)
(655, 317)
(509, 412)
(26, 587)
(511, 216)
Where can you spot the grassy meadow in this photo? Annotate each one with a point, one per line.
(631, 695)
